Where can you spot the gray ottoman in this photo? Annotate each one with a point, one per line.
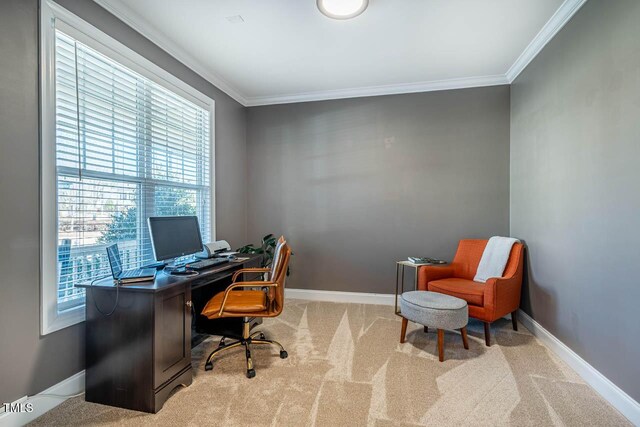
(439, 311)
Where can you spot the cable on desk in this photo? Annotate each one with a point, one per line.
(95, 303)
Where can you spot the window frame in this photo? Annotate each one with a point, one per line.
(54, 16)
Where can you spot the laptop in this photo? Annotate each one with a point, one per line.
(127, 276)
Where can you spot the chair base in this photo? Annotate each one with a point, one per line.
(246, 341)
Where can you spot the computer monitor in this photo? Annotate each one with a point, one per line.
(174, 236)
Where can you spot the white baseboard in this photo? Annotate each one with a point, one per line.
(608, 390)
(339, 296)
(44, 401)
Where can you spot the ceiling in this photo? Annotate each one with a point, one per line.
(287, 51)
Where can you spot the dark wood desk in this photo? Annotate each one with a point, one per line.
(136, 356)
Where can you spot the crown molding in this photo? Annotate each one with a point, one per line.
(553, 26)
(137, 23)
(557, 21)
(462, 83)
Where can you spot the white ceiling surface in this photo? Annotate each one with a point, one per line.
(286, 49)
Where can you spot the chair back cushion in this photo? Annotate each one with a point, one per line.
(467, 258)
(280, 279)
(276, 258)
(465, 263)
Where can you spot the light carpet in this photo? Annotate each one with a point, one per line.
(346, 367)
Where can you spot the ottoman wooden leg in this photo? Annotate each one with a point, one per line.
(463, 332)
(441, 344)
(403, 331)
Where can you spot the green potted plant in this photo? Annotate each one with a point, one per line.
(266, 249)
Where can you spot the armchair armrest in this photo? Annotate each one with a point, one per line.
(428, 273)
(249, 270)
(502, 295)
(243, 285)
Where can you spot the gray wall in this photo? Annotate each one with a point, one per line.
(30, 363)
(357, 184)
(575, 186)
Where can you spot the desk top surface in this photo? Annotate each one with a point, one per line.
(164, 280)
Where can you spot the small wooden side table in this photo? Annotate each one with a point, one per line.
(400, 266)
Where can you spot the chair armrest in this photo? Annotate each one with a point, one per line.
(427, 273)
(249, 270)
(502, 295)
(243, 285)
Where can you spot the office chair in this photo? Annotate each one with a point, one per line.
(251, 303)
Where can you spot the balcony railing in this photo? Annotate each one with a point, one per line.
(82, 264)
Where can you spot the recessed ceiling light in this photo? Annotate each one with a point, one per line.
(342, 9)
(235, 19)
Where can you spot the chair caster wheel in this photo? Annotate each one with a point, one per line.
(251, 373)
(208, 366)
(263, 336)
(283, 354)
(222, 343)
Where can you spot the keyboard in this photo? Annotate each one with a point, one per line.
(207, 263)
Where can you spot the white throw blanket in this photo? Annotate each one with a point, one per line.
(494, 258)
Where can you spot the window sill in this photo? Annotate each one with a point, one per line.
(63, 320)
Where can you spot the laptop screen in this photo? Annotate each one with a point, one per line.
(114, 260)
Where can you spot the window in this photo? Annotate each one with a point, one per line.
(119, 145)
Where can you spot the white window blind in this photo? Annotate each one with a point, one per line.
(126, 149)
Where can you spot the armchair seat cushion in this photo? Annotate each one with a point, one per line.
(468, 290)
(248, 301)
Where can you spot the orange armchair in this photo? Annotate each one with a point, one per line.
(487, 301)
